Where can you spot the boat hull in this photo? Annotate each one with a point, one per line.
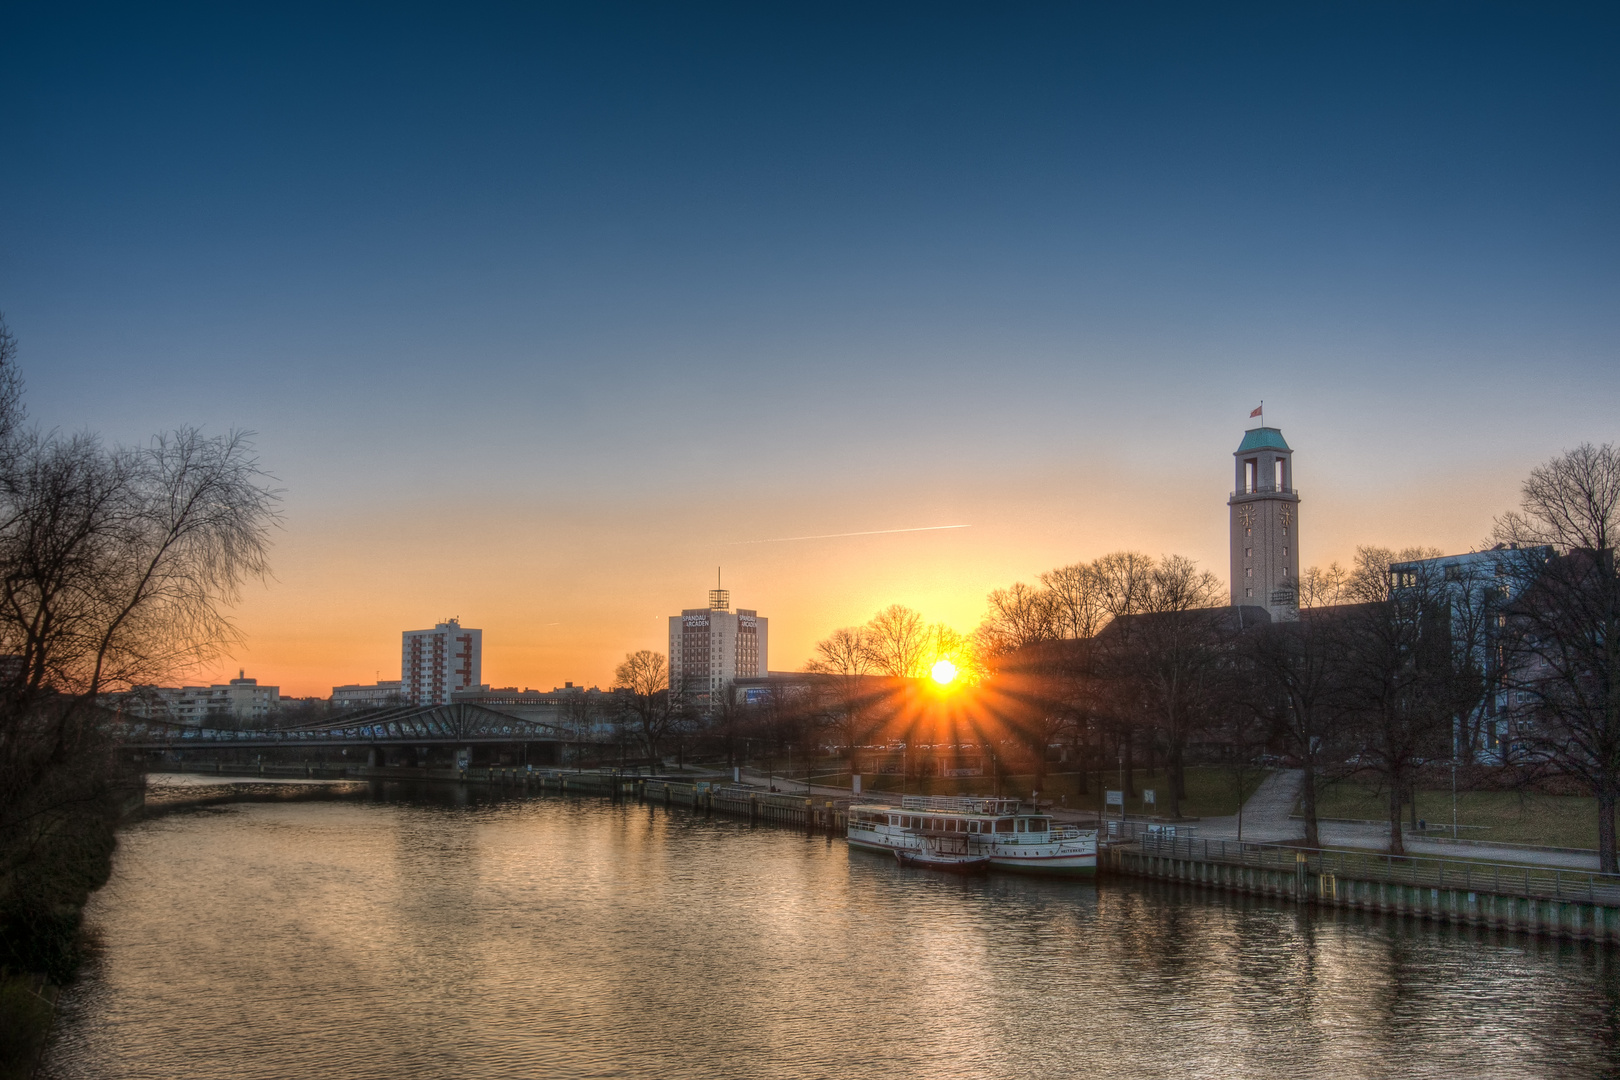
(1065, 865)
(970, 865)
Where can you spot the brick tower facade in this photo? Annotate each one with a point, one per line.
(1265, 524)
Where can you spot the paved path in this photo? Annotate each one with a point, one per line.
(1268, 819)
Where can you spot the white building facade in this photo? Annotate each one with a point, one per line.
(240, 701)
(711, 647)
(368, 695)
(1478, 590)
(436, 663)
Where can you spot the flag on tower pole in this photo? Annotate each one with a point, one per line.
(1258, 412)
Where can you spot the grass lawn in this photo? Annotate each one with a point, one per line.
(1211, 791)
(1509, 816)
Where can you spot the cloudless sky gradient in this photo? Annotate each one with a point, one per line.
(542, 313)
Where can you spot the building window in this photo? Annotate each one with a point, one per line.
(1248, 532)
(1248, 571)
(1248, 553)
(1285, 553)
(1248, 592)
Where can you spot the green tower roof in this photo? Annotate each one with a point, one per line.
(1263, 438)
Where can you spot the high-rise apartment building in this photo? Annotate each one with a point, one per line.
(1265, 524)
(435, 663)
(710, 647)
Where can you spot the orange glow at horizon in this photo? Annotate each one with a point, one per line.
(563, 592)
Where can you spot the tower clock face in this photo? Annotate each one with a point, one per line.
(1287, 516)
(1246, 516)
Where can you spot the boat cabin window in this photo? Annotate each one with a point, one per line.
(1004, 825)
(894, 819)
(1037, 824)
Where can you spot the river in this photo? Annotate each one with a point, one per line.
(447, 933)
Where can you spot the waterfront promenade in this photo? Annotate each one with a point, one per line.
(1268, 818)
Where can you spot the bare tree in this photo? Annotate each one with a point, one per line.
(579, 715)
(846, 696)
(117, 566)
(1164, 656)
(12, 414)
(654, 711)
(120, 564)
(964, 651)
(1399, 689)
(1029, 698)
(1018, 615)
(1123, 581)
(1320, 587)
(1562, 635)
(897, 642)
(1075, 595)
(1295, 669)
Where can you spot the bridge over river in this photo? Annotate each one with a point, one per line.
(417, 729)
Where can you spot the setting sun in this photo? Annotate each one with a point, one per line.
(944, 672)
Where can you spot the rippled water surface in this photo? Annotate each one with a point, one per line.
(440, 936)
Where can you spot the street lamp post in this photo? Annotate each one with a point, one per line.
(1122, 783)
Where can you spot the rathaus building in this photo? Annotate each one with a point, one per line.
(1265, 525)
(711, 647)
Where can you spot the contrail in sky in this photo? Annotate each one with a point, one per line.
(868, 532)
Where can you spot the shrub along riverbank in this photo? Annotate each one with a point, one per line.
(53, 860)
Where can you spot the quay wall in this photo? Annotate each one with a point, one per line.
(1546, 901)
(811, 813)
(1550, 902)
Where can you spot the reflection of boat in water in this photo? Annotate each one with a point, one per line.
(949, 833)
(944, 851)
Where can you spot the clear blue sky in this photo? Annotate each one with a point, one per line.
(538, 310)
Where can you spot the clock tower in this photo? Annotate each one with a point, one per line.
(1265, 524)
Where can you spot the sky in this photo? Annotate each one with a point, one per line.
(541, 314)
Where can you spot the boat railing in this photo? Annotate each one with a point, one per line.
(961, 804)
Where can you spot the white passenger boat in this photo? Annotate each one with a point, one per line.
(996, 830)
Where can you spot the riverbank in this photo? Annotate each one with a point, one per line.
(53, 869)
